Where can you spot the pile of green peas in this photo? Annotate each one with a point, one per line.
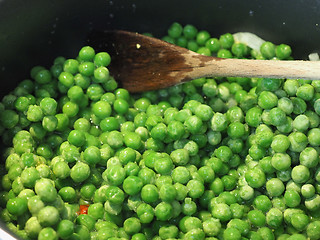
(215, 158)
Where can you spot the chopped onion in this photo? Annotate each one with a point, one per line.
(314, 57)
(252, 40)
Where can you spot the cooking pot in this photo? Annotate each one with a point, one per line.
(34, 32)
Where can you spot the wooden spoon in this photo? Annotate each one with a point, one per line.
(143, 63)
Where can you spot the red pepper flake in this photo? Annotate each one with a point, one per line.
(83, 209)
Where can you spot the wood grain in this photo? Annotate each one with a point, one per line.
(143, 63)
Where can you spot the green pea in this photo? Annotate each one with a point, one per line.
(313, 203)
(163, 211)
(175, 30)
(299, 221)
(283, 51)
(257, 218)
(298, 141)
(240, 50)
(65, 228)
(313, 137)
(48, 216)
(180, 157)
(292, 198)
(265, 232)
(277, 116)
(80, 172)
(268, 50)
(236, 130)
(66, 79)
(207, 174)
(132, 185)
(115, 174)
(231, 233)
(17, 206)
(211, 227)
(202, 36)
(313, 230)
(262, 203)
(255, 177)
(309, 157)
(102, 59)
(307, 190)
(33, 227)
(145, 213)
(300, 174)
(224, 153)
(281, 161)
(222, 212)
(190, 31)
(275, 187)
(254, 116)
(68, 194)
(226, 40)
(196, 188)
(218, 122)
(213, 44)
(267, 100)
(45, 189)
(47, 233)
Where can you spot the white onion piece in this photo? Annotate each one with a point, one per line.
(250, 39)
(314, 57)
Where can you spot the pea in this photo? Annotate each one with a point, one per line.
(300, 174)
(275, 187)
(298, 141)
(48, 216)
(175, 30)
(47, 233)
(102, 59)
(292, 198)
(226, 40)
(29, 176)
(145, 213)
(65, 228)
(309, 157)
(257, 218)
(307, 190)
(202, 36)
(283, 51)
(254, 116)
(190, 31)
(66, 79)
(313, 137)
(281, 161)
(68, 194)
(255, 177)
(262, 203)
(277, 116)
(80, 172)
(222, 212)
(45, 189)
(268, 50)
(163, 211)
(313, 230)
(33, 227)
(17, 206)
(132, 185)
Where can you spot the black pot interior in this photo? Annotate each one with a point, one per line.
(34, 32)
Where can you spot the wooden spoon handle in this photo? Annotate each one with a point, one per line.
(258, 68)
